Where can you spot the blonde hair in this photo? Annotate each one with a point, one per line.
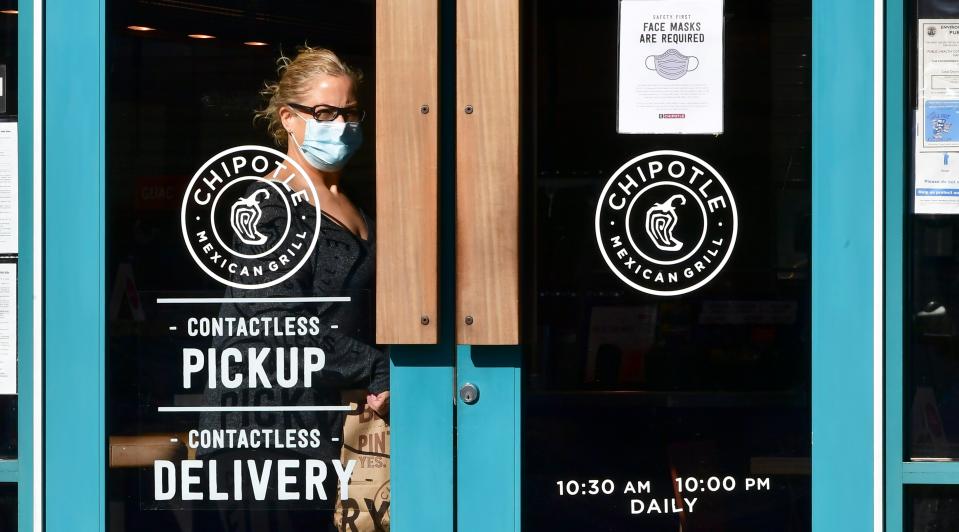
(295, 77)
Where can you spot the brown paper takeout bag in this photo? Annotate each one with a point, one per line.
(366, 439)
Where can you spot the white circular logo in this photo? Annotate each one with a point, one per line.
(666, 223)
(250, 217)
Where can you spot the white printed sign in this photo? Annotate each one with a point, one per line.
(939, 84)
(9, 227)
(8, 328)
(936, 183)
(670, 66)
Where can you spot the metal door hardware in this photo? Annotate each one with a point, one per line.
(469, 393)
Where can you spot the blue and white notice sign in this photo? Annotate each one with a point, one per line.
(941, 122)
(937, 183)
(936, 180)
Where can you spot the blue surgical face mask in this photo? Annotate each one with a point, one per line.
(327, 146)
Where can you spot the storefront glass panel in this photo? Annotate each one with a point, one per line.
(930, 508)
(8, 506)
(655, 399)
(931, 395)
(239, 314)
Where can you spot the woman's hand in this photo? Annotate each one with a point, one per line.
(379, 402)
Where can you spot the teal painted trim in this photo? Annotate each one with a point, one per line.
(928, 473)
(518, 443)
(421, 438)
(9, 471)
(896, 180)
(488, 439)
(422, 479)
(842, 325)
(25, 262)
(74, 276)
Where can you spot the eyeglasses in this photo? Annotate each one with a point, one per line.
(328, 113)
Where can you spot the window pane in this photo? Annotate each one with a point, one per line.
(931, 508)
(8, 506)
(931, 396)
(226, 412)
(703, 395)
(8, 426)
(8, 57)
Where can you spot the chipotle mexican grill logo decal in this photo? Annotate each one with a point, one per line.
(250, 217)
(666, 223)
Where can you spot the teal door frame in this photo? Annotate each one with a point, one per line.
(488, 439)
(74, 468)
(487, 491)
(897, 471)
(847, 233)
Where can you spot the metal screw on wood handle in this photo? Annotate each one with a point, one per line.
(424, 109)
(469, 320)
(424, 319)
(469, 109)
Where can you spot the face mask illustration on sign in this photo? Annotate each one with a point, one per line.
(671, 64)
(244, 215)
(328, 146)
(661, 219)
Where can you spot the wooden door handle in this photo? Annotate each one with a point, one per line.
(487, 172)
(406, 171)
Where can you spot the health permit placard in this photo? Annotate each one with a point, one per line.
(670, 66)
(936, 186)
(939, 84)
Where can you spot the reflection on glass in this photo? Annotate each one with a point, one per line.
(186, 82)
(931, 508)
(706, 395)
(8, 506)
(8, 426)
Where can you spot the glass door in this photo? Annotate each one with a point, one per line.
(923, 449)
(697, 254)
(246, 389)
(668, 266)
(236, 374)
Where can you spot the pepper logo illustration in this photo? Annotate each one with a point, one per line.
(661, 219)
(244, 215)
(671, 64)
(250, 217)
(666, 223)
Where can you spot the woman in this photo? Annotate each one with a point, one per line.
(314, 105)
(313, 112)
